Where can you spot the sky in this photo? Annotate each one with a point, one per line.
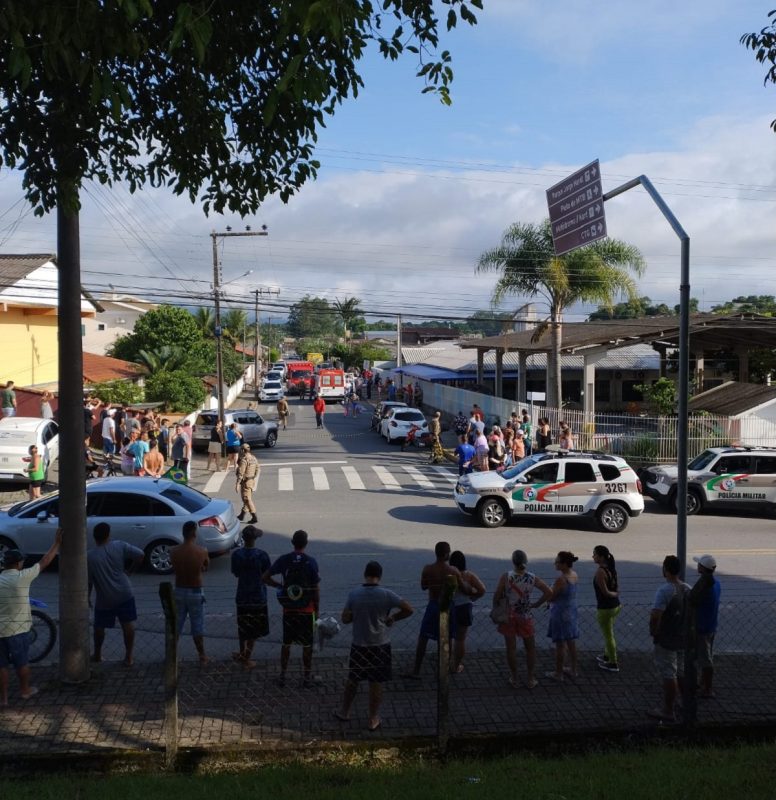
(411, 192)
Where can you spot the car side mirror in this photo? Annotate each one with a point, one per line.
(42, 516)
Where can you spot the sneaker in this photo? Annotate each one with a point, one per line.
(608, 666)
(602, 659)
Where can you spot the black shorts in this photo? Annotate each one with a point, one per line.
(232, 449)
(37, 484)
(463, 615)
(252, 622)
(298, 628)
(372, 663)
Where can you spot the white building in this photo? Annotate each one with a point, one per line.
(120, 314)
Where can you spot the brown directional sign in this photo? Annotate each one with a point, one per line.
(577, 209)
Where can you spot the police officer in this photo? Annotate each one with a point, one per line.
(247, 473)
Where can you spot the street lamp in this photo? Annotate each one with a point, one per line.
(215, 236)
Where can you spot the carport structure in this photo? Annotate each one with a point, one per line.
(736, 333)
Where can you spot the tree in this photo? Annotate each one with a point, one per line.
(529, 267)
(177, 390)
(660, 396)
(205, 319)
(220, 101)
(632, 309)
(764, 46)
(165, 326)
(124, 392)
(488, 323)
(234, 323)
(351, 315)
(312, 317)
(164, 359)
(764, 304)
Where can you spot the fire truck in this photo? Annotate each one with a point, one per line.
(300, 373)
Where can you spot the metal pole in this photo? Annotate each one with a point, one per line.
(398, 342)
(219, 355)
(256, 346)
(684, 358)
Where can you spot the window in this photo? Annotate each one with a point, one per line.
(602, 391)
(572, 391)
(186, 497)
(629, 392)
(578, 472)
(766, 465)
(609, 472)
(544, 473)
(409, 416)
(733, 464)
(83, 330)
(325, 380)
(101, 326)
(51, 507)
(121, 504)
(160, 509)
(49, 432)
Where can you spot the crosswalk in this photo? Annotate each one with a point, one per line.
(336, 475)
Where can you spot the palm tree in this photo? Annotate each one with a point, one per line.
(166, 358)
(349, 312)
(233, 323)
(205, 319)
(529, 267)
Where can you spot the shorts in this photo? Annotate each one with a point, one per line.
(669, 663)
(108, 447)
(124, 612)
(252, 621)
(518, 625)
(214, 448)
(429, 627)
(36, 484)
(705, 650)
(232, 449)
(298, 628)
(15, 650)
(370, 663)
(190, 603)
(464, 615)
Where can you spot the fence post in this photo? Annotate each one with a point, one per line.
(443, 663)
(167, 597)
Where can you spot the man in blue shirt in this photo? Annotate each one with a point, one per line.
(465, 454)
(704, 599)
(299, 594)
(249, 564)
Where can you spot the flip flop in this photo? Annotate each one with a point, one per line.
(33, 691)
(532, 684)
(375, 727)
(513, 683)
(553, 677)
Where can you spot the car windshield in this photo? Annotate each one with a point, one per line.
(521, 465)
(272, 385)
(206, 419)
(17, 508)
(409, 416)
(703, 460)
(186, 497)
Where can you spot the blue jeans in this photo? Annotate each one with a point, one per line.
(190, 603)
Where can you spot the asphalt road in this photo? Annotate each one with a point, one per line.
(360, 499)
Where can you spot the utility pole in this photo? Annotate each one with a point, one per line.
(215, 236)
(256, 348)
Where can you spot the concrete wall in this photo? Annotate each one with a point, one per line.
(30, 347)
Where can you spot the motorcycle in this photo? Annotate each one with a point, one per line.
(416, 437)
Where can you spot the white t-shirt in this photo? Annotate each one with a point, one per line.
(15, 613)
(109, 428)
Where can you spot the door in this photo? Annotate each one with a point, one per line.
(537, 490)
(732, 482)
(129, 515)
(249, 423)
(37, 525)
(51, 441)
(763, 479)
(580, 490)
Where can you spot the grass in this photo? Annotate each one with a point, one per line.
(745, 772)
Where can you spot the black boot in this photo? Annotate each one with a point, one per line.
(253, 519)
(241, 516)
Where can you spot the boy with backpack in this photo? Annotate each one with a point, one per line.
(667, 628)
(299, 595)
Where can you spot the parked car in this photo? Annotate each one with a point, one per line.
(17, 434)
(731, 477)
(146, 512)
(573, 484)
(274, 375)
(281, 367)
(271, 390)
(396, 424)
(381, 409)
(254, 428)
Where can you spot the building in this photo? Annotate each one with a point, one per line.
(28, 318)
(118, 318)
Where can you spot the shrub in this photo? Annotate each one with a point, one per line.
(176, 390)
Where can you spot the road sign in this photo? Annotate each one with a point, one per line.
(576, 207)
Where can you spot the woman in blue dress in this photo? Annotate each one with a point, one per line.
(564, 624)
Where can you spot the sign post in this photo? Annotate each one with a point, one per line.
(576, 206)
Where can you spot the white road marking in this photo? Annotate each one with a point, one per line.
(263, 464)
(320, 481)
(215, 482)
(387, 479)
(419, 477)
(353, 479)
(445, 473)
(285, 480)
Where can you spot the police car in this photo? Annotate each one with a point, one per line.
(721, 477)
(556, 484)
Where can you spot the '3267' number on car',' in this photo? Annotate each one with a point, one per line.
(616, 488)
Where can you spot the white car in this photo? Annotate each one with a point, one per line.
(145, 512)
(397, 423)
(554, 484)
(280, 367)
(16, 436)
(271, 390)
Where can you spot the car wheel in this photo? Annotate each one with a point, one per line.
(694, 503)
(5, 544)
(492, 513)
(158, 556)
(271, 440)
(612, 518)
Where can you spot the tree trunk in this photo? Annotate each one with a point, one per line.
(555, 333)
(73, 600)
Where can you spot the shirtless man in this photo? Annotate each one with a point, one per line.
(432, 579)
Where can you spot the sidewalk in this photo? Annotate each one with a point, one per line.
(121, 709)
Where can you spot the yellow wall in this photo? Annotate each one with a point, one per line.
(28, 347)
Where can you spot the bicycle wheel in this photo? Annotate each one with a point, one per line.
(43, 635)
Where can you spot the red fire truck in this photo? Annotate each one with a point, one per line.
(300, 373)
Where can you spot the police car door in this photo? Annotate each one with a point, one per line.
(578, 492)
(762, 481)
(536, 491)
(732, 482)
